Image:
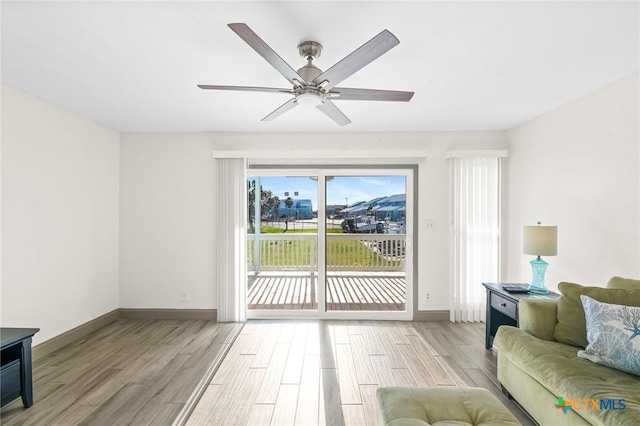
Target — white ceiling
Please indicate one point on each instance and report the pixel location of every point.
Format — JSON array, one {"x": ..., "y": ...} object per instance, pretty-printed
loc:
[{"x": 134, "y": 66}]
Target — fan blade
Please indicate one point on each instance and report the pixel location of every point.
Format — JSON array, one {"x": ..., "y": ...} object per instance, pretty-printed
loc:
[
  {"x": 246, "y": 88},
  {"x": 281, "y": 109},
  {"x": 267, "y": 53},
  {"x": 346, "y": 94},
  {"x": 356, "y": 60},
  {"x": 334, "y": 113}
]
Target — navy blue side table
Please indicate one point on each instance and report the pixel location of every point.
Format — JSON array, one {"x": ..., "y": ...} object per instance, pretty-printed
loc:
[
  {"x": 503, "y": 308},
  {"x": 15, "y": 365}
]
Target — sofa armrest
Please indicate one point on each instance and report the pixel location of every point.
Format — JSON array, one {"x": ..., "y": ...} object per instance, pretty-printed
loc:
[{"x": 538, "y": 317}]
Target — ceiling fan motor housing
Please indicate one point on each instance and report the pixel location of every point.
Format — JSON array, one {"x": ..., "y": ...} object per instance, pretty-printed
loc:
[
  {"x": 309, "y": 72},
  {"x": 309, "y": 50}
]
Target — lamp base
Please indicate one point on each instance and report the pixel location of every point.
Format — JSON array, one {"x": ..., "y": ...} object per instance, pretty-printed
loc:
[{"x": 539, "y": 267}]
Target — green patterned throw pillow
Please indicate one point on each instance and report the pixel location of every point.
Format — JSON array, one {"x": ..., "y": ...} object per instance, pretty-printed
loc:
[{"x": 613, "y": 332}]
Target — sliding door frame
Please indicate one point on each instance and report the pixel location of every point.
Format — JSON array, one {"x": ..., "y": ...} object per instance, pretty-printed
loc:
[
  {"x": 376, "y": 170},
  {"x": 321, "y": 172},
  {"x": 282, "y": 171}
]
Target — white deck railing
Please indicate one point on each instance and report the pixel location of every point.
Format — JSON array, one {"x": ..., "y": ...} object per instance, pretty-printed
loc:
[{"x": 345, "y": 252}]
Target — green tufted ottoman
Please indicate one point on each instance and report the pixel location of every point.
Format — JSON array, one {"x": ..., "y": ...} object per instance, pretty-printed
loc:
[{"x": 442, "y": 406}]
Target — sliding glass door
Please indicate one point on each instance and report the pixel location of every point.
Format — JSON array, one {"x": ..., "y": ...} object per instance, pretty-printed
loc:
[
  {"x": 282, "y": 244},
  {"x": 366, "y": 243},
  {"x": 331, "y": 243}
]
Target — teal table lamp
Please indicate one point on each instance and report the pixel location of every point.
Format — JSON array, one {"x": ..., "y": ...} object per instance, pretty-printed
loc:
[{"x": 540, "y": 241}]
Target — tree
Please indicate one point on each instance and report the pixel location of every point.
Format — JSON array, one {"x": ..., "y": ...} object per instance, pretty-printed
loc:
[
  {"x": 266, "y": 198},
  {"x": 267, "y": 206},
  {"x": 251, "y": 204},
  {"x": 289, "y": 203},
  {"x": 276, "y": 206}
]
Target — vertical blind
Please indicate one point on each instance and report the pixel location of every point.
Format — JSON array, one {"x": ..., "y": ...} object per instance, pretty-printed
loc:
[
  {"x": 475, "y": 220},
  {"x": 231, "y": 222}
]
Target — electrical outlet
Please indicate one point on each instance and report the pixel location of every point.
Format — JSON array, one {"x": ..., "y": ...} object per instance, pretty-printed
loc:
[
  {"x": 429, "y": 225},
  {"x": 185, "y": 296},
  {"x": 427, "y": 296}
]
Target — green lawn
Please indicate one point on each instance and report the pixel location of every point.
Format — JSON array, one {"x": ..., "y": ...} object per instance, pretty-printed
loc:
[{"x": 296, "y": 253}]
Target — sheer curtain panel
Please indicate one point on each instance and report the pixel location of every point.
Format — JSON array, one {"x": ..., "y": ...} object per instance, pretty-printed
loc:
[
  {"x": 231, "y": 221},
  {"x": 475, "y": 220}
]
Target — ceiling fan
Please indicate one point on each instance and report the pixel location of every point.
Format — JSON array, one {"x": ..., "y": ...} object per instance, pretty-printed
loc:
[{"x": 311, "y": 85}]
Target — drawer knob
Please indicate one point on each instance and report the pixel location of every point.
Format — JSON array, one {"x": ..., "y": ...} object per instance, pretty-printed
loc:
[{"x": 504, "y": 305}]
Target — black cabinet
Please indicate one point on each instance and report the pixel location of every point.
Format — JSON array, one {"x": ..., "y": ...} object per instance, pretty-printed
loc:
[
  {"x": 15, "y": 365},
  {"x": 502, "y": 308}
]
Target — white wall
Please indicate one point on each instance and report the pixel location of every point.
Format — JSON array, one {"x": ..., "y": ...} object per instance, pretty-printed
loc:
[
  {"x": 578, "y": 167},
  {"x": 167, "y": 207},
  {"x": 59, "y": 217},
  {"x": 93, "y": 220},
  {"x": 167, "y": 218}
]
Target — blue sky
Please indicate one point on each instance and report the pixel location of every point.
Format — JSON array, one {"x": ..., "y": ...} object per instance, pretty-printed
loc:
[{"x": 355, "y": 188}]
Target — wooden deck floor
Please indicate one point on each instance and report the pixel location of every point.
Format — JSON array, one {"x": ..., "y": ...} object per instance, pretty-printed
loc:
[{"x": 354, "y": 291}]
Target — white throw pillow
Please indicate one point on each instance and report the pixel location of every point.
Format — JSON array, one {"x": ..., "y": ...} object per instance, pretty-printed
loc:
[{"x": 613, "y": 332}]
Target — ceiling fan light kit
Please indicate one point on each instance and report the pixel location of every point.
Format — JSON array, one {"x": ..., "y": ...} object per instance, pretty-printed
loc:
[
  {"x": 312, "y": 86},
  {"x": 309, "y": 97}
]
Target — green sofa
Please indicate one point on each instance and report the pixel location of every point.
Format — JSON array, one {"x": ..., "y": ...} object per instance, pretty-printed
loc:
[{"x": 537, "y": 367}]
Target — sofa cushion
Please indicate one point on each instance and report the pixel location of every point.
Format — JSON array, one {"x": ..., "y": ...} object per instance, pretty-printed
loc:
[
  {"x": 557, "y": 367},
  {"x": 613, "y": 332},
  {"x": 626, "y": 283},
  {"x": 571, "y": 327},
  {"x": 538, "y": 317},
  {"x": 403, "y": 406}
]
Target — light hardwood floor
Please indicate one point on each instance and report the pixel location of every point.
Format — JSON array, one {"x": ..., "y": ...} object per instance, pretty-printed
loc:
[
  {"x": 143, "y": 372},
  {"x": 129, "y": 372},
  {"x": 327, "y": 372}
]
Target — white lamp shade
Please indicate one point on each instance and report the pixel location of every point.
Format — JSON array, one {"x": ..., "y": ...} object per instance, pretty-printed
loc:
[{"x": 540, "y": 240}]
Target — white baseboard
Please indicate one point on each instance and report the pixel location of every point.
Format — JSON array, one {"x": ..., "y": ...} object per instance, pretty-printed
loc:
[
  {"x": 431, "y": 316},
  {"x": 169, "y": 314}
]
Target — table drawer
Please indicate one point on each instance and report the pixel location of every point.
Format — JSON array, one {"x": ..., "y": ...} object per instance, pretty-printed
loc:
[
  {"x": 504, "y": 305},
  {"x": 10, "y": 382}
]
